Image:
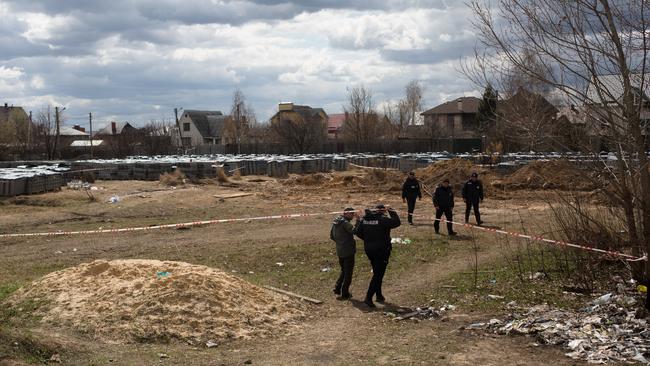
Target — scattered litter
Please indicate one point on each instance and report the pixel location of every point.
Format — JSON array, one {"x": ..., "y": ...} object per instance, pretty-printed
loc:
[
  {"x": 537, "y": 276},
  {"x": 326, "y": 269},
  {"x": 421, "y": 313},
  {"x": 495, "y": 297},
  {"x": 78, "y": 185},
  {"x": 609, "y": 330},
  {"x": 58, "y": 252},
  {"x": 642, "y": 288},
  {"x": 55, "y": 358},
  {"x": 163, "y": 274},
  {"x": 401, "y": 241},
  {"x": 114, "y": 199},
  {"x": 163, "y": 355},
  {"x": 211, "y": 344},
  {"x": 279, "y": 264}
]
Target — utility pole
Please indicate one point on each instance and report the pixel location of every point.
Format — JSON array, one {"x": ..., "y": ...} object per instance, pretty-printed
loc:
[
  {"x": 90, "y": 120},
  {"x": 29, "y": 130},
  {"x": 238, "y": 130},
  {"x": 58, "y": 130},
  {"x": 180, "y": 130}
]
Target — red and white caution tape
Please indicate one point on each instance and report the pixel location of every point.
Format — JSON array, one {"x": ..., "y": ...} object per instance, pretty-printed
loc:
[
  {"x": 167, "y": 226},
  {"x": 626, "y": 257}
]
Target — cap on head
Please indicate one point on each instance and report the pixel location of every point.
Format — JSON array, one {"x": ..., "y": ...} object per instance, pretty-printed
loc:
[
  {"x": 348, "y": 210},
  {"x": 412, "y": 174},
  {"x": 380, "y": 207},
  {"x": 445, "y": 181}
]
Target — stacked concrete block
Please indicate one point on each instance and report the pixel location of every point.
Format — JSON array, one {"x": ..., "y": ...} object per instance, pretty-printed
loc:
[{"x": 277, "y": 169}]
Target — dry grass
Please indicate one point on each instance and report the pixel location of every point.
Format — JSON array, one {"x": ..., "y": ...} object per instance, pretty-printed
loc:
[{"x": 173, "y": 179}]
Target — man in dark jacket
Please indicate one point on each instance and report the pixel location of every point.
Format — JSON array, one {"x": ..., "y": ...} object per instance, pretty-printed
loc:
[
  {"x": 410, "y": 192},
  {"x": 443, "y": 201},
  {"x": 374, "y": 229},
  {"x": 342, "y": 233},
  {"x": 472, "y": 195}
]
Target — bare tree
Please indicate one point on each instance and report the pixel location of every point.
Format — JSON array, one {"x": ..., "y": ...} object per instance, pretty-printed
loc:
[
  {"x": 398, "y": 116},
  {"x": 157, "y": 137},
  {"x": 243, "y": 117},
  {"x": 413, "y": 103},
  {"x": 593, "y": 53},
  {"x": 45, "y": 132},
  {"x": 299, "y": 133},
  {"x": 362, "y": 125}
]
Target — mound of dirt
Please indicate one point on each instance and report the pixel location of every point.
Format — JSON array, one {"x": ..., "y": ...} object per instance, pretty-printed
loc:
[
  {"x": 149, "y": 301},
  {"x": 456, "y": 170},
  {"x": 553, "y": 174}
]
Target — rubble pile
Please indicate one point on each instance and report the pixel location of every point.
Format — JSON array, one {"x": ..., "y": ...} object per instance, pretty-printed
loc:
[{"x": 611, "y": 329}]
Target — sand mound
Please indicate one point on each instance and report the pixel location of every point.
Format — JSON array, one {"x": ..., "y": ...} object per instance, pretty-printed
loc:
[
  {"x": 456, "y": 170},
  {"x": 366, "y": 180},
  {"x": 553, "y": 174},
  {"x": 149, "y": 300}
]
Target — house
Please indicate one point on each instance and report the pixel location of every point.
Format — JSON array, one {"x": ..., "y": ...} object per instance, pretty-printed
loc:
[
  {"x": 335, "y": 124},
  {"x": 14, "y": 119},
  {"x": 8, "y": 113},
  {"x": 70, "y": 134},
  {"x": 606, "y": 92},
  {"x": 203, "y": 128},
  {"x": 454, "y": 119},
  {"x": 296, "y": 113},
  {"x": 116, "y": 129}
]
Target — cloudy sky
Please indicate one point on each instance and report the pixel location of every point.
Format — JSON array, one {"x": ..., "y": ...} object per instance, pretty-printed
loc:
[{"x": 136, "y": 60}]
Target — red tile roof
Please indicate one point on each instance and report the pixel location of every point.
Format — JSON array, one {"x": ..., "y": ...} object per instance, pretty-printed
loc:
[{"x": 335, "y": 122}]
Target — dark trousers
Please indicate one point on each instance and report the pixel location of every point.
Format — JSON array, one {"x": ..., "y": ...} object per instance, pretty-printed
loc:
[
  {"x": 468, "y": 208},
  {"x": 410, "y": 201},
  {"x": 448, "y": 215},
  {"x": 345, "y": 278},
  {"x": 379, "y": 262}
]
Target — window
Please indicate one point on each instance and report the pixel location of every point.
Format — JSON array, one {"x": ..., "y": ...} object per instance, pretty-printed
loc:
[
  {"x": 186, "y": 126},
  {"x": 450, "y": 119},
  {"x": 469, "y": 123}
]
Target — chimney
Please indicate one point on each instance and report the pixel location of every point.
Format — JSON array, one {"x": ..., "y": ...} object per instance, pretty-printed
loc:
[
  {"x": 285, "y": 106},
  {"x": 113, "y": 128},
  {"x": 460, "y": 105},
  {"x": 79, "y": 128}
]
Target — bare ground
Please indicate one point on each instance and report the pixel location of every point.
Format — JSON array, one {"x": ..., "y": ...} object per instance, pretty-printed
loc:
[{"x": 336, "y": 333}]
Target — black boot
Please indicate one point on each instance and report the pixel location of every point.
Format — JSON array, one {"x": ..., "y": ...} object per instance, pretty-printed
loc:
[{"x": 369, "y": 302}]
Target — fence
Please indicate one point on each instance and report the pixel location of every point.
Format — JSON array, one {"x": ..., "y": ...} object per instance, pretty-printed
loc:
[{"x": 340, "y": 147}]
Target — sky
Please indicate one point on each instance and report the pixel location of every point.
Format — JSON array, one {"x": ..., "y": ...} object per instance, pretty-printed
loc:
[{"x": 137, "y": 60}]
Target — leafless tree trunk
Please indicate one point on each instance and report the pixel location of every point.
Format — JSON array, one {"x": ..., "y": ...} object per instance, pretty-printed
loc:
[
  {"x": 414, "y": 100},
  {"x": 362, "y": 127}
]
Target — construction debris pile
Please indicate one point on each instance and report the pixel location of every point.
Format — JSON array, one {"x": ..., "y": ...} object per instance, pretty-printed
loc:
[
  {"x": 157, "y": 301},
  {"x": 611, "y": 329}
]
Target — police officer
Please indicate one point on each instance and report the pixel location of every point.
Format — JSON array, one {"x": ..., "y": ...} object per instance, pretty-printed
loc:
[
  {"x": 374, "y": 229},
  {"x": 410, "y": 192},
  {"x": 472, "y": 195},
  {"x": 346, "y": 247},
  {"x": 443, "y": 201}
]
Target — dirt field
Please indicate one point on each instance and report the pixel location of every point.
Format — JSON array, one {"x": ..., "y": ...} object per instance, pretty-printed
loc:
[{"x": 334, "y": 333}]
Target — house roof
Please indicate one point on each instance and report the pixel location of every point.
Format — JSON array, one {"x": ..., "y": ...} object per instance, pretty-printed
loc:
[
  {"x": 119, "y": 127},
  {"x": 70, "y": 131},
  {"x": 86, "y": 143},
  {"x": 335, "y": 122},
  {"x": 305, "y": 111},
  {"x": 469, "y": 105},
  {"x": 209, "y": 123},
  {"x": 612, "y": 87}
]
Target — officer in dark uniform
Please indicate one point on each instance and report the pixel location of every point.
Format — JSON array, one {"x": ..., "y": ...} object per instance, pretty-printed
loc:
[
  {"x": 443, "y": 201},
  {"x": 472, "y": 195},
  {"x": 374, "y": 230},
  {"x": 410, "y": 192}
]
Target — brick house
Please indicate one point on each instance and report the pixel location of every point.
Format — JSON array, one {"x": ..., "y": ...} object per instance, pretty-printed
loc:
[{"x": 454, "y": 119}]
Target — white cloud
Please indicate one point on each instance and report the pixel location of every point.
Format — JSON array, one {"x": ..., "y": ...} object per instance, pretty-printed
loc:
[{"x": 123, "y": 62}]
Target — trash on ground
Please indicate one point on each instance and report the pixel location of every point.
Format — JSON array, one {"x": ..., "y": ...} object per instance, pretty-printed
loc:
[
  {"x": 611, "y": 329},
  {"x": 421, "y": 313},
  {"x": 401, "y": 241},
  {"x": 114, "y": 199}
]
